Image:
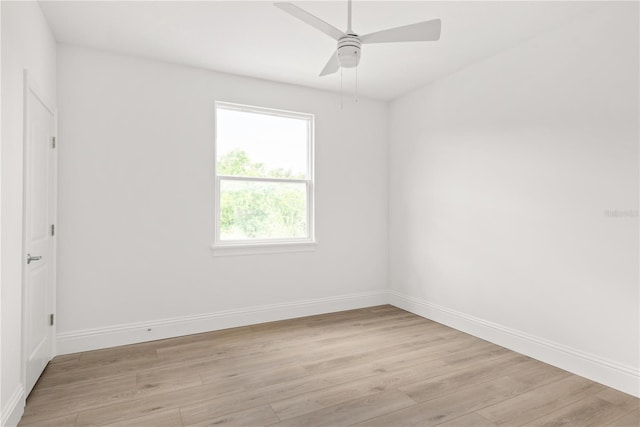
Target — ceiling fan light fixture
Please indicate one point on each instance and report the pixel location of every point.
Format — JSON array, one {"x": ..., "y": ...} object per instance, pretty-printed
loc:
[{"x": 349, "y": 51}]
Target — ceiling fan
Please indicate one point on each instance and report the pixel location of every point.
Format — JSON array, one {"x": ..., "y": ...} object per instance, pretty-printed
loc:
[{"x": 347, "y": 54}]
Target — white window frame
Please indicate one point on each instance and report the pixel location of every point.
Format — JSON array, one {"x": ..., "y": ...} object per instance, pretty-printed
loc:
[{"x": 275, "y": 245}]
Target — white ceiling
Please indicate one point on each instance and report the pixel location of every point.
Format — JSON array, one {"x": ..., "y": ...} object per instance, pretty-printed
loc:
[{"x": 257, "y": 39}]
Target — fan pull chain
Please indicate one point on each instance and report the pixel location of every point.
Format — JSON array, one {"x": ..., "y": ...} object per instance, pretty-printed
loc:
[
  {"x": 341, "y": 103},
  {"x": 356, "y": 83}
]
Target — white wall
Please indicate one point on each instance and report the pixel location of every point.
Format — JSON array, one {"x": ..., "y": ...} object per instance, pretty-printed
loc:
[
  {"x": 26, "y": 43},
  {"x": 136, "y": 204},
  {"x": 1, "y": 401},
  {"x": 501, "y": 176}
]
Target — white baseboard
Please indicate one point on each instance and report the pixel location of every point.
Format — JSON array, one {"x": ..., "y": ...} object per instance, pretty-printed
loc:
[
  {"x": 607, "y": 372},
  {"x": 13, "y": 410},
  {"x": 93, "y": 339}
]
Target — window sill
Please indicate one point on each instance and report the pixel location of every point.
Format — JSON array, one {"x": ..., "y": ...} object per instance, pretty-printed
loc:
[{"x": 262, "y": 248}]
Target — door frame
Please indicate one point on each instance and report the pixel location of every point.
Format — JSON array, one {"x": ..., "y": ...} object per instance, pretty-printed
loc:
[{"x": 30, "y": 86}]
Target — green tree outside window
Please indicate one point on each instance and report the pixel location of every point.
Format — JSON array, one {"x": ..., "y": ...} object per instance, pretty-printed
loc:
[{"x": 254, "y": 210}]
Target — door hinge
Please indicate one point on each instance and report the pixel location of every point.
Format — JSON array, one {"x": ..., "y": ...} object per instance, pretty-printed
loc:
[
  {"x": 53, "y": 142},
  {"x": 53, "y": 229},
  {"x": 51, "y": 319}
]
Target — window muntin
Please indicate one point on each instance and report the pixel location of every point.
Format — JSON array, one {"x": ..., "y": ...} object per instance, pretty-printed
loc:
[{"x": 264, "y": 176}]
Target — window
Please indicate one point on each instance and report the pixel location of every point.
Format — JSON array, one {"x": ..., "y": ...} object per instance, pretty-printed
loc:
[{"x": 263, "y": 177}]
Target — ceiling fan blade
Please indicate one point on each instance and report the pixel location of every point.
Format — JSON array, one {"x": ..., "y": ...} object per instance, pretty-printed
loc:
[
  {"x": 332, "y": 65},
  {"x": 420, "y": 32},
  {"x": 310, "y": 19}
]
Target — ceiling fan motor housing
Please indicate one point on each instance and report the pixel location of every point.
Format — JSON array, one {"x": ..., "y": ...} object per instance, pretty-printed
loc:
[{"x": 349, "y": 51}]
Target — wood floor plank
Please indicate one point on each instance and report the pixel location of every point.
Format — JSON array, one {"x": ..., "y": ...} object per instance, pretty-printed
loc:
[
  {"x": 538, "y": 374},
  {"x": 239, "y": 380},
  {"x": 254, "y": 417},
  {"x": 95, "y": 369},
  {"x": 362, "y": 353},
  {"x": 453, "y": 405},
  {"x": 632, "y": 419},
  {"x": 620, "y": 399},
  {"x": 113, "y": 391},
  {"x": 58, "y": 401},
  {"x": 220, "y": 405},
  {"x": 63, "y": 421},
  {"x": 161, "y": 419},
  {"x": 484, "y": 351},
  {"x": 437, "y": 349},
  {"x": 352, "y": 411},
  {"x": 326, "y": 397},
  {"x": 449, "y": 382},
  {"x": 589, "y": 412},
  {"x": 201, "y": 402},
  {"x": 375, "y": 366},
  {"x": 470, "y": 420},
  {"x": 230, "y": 403},
  {"x": 542, "y": 400}
]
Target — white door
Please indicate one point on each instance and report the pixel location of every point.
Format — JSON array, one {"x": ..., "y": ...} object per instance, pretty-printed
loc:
[{"x": 39, "y": 214}]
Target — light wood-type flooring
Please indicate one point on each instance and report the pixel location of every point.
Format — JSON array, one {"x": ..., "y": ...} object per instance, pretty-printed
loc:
[{"x": 378, "y": 366}]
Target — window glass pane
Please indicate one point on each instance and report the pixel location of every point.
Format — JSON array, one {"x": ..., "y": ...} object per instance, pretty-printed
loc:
[
  {"x": 261, "y": 145},
  {"x": 262, "y": 210}
]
